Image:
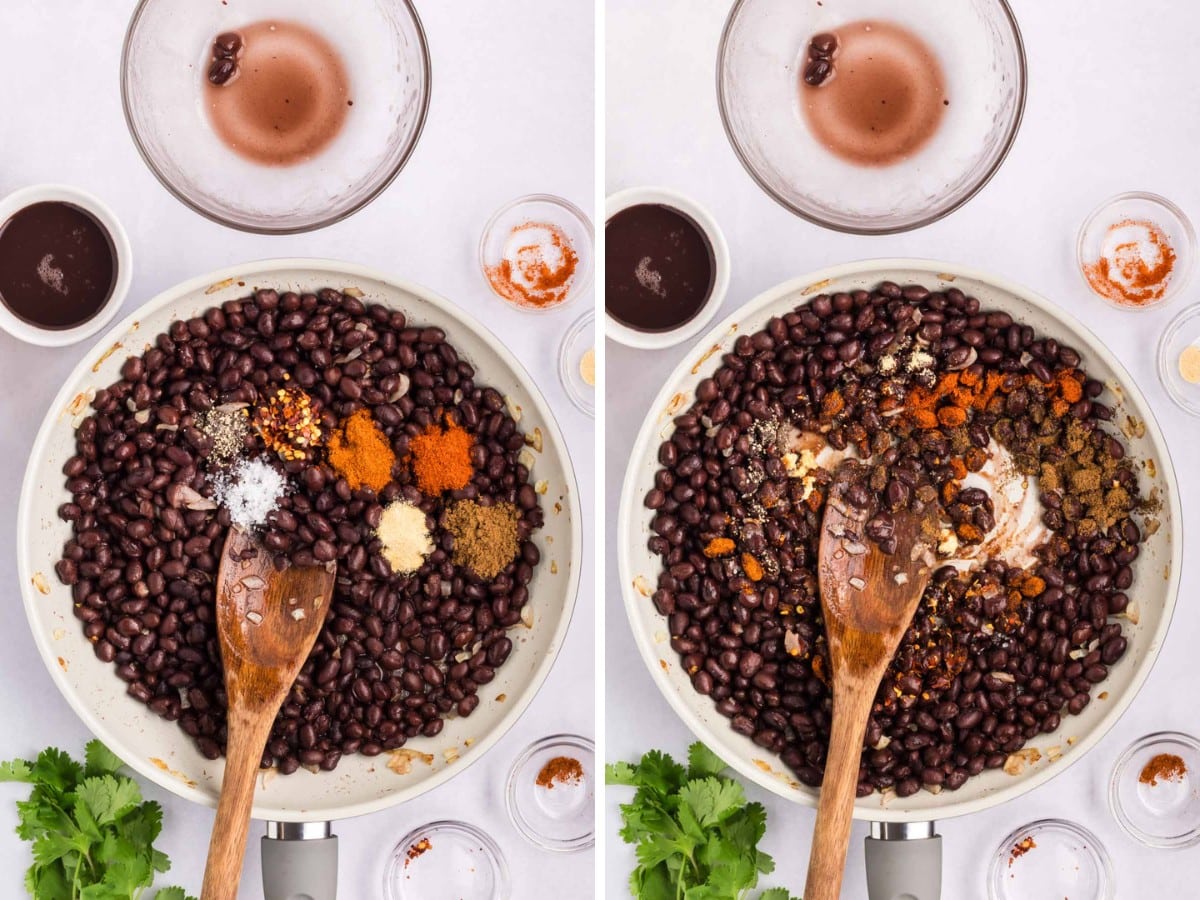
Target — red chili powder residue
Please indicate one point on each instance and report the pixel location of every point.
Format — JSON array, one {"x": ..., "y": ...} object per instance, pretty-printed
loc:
[
  {"x": 560, "y": 770},
  {"x": 1135, "y": 265},
  {"x": 418, "y": 849},
  {"x": 538, "y": 266},
  {"x": 1164, "y": 767},
  {"x": 1019, "y": 849}
]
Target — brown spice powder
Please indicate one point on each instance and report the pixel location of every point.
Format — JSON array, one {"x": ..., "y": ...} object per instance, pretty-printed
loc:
[
  {"x": 560, "y": 770},
  {"x": 485, "y": 537},
  {"x": 1163, "y": 767}
]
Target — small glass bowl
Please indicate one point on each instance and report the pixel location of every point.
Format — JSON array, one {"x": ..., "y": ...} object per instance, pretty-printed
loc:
[
  {"x": 560, "y": 817},
  {"x": 1165, "y": 814},
  {"x": 1150, "y": 207},
  {"x": 1183, "y": 332},
  {"x": 163, "y": 64},
  {"x": 579, "y": 340},
  {"x": 461, "y": 863},
  {"x": 540, "y": 208},
  {"x": 1065, "y": 860}
]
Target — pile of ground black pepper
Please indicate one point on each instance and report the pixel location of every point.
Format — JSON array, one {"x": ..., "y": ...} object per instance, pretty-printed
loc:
[{"x": 923, "y": 387}]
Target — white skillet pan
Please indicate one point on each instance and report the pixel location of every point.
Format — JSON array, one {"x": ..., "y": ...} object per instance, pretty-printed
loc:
[
  {"x": 159, "y": 750},
  {"x": 904, "y": 855}
]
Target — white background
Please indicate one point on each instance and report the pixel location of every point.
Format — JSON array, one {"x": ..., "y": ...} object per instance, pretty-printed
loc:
[
  {"x": 1113, "y": 94},
  {"x": 511, "y": 114}
]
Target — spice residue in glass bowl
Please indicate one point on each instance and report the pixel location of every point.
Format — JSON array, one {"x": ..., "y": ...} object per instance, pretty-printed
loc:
[
  {"x": 1163, "y": 767},
  {"x": 1135, "y": 264},
  {"x": 1189, "y": 364},
  {"x": 587, "y": 367},
  {"x": 416, "y": 850},
  {"x": 873, "y": 93},
  {"x": 560, "y": 770},
  {"x": 1020, "y": 848},
  {"x": 277, "y": 92},
  {"x": 537, "y": 266}
]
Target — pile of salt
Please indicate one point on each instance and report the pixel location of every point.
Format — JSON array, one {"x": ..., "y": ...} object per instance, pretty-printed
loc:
[{"x": 251, "y": 491}]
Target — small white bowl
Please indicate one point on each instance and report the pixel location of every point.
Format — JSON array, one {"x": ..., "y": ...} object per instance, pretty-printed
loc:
[
  {"x": 657, "y": 340},
  {"x": 61, "y": 193}
]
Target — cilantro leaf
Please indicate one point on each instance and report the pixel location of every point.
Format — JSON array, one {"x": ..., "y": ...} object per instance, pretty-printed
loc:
[
  {"x": 56, "y": 770},
  {"x": 99, "y": 760},
  {"x": 702, "y": 761},
  {"x": 16, "y": 770},
  {"x": 108, "y": 798},
  {"x": 713, "y": 799},
  {"x": 91, "y": 832},
  {"x": 696, "y": 835}
]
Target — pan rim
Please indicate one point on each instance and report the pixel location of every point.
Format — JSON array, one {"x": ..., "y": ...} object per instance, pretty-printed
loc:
[
  {"x": 800, "y": 288},
  {"x": 279, "y": 267}
]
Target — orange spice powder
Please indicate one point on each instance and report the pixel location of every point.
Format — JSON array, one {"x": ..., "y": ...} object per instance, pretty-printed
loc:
[
  {"x": 539, "y": 271},
  {"x": 441, "y": 458},
  {"x": 1136, "y": 270},
  {"x": 361, "y": 453},
  {"x": 718, "y": 546}
]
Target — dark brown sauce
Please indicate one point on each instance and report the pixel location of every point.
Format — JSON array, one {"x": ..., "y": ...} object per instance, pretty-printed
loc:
[
  {"x": 884, "y": 98},
  {"x": 287, "y": 99},
  {"x": 57, "y": 265},
  {"x": 659, "y": 268}
]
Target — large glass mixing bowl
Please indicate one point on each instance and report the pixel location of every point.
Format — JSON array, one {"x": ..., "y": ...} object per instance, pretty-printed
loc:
[
  {"x": 167, "y": 49},
  {"x": 762, "y": 53}
]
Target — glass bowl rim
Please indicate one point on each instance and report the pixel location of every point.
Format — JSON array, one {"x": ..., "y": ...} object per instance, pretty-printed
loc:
[
  {"x": 397, "y": 853},
  {"x": 576, "y": 329},
  {"x": 426, "y": 82},
  {"x": 1095, "y": 848},
  {"x": 938, "y": 214},
  {"x": 1176, "y": 286},
  {"x": 570, "y": 845},
  {"x": 1169, "y": 333},
  {"x": 577, "y": 290},
  {"x": 1178, "y": 842}
]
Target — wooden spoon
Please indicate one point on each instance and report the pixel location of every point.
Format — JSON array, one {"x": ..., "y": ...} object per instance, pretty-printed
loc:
[
  {"x": 267, "y": 623},
  {"x": 868, "y": 599}
]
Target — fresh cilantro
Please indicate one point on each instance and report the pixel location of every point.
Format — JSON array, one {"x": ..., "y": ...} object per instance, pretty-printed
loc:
[
  {"x": 696, "y": 835},
  {"x": 91, "y": 831}
]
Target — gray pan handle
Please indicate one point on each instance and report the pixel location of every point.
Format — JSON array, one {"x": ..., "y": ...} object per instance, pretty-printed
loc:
[
  {"x": 904, "y": 861},
  {"x": 299, "y": 861}
]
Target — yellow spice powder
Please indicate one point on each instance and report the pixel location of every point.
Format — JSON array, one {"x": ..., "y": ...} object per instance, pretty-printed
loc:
[
  {"x": 587, "y": 367},
  {"x": 406, "y": 540}
]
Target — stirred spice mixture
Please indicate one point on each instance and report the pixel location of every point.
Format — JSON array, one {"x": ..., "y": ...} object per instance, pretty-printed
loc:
[{"x": 943, "y": 403}]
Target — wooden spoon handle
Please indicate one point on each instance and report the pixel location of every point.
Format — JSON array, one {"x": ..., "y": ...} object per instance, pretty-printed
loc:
[
  {"x": 227, "y": 847},
  {"x": 831, "y": 836}
]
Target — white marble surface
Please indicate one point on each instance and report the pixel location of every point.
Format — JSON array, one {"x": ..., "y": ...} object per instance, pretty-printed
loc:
[
  {"x": 1112, "y": 89},
  {"x": 511, "y": 114}
]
